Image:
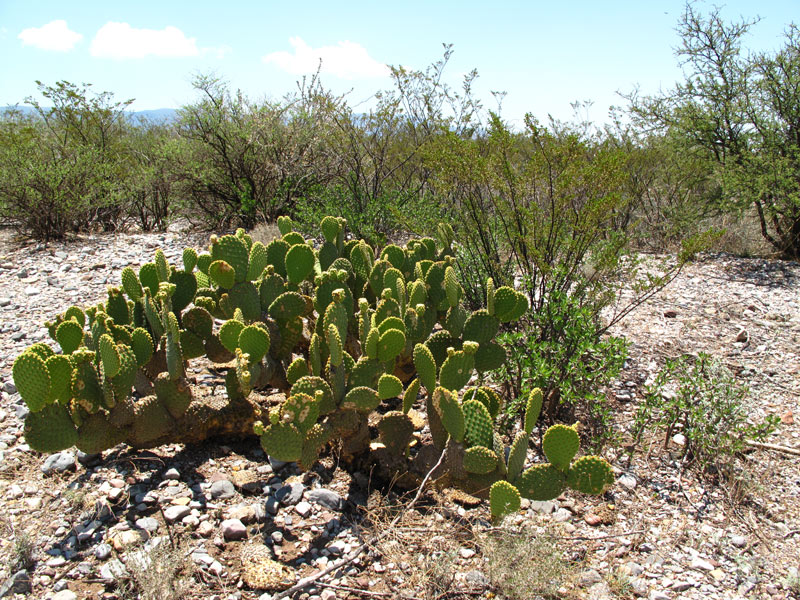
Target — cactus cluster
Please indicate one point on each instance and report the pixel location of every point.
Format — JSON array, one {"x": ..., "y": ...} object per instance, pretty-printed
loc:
[{"x": 351, "y": 337}]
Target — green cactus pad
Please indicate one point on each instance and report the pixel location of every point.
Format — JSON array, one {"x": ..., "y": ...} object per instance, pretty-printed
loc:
[
  {"x": 452, "y": 287},
  {"x": 290, "y": 332},
  {"x": 96, "y": 434},
  {"x": 505, "y": 301},
  {"x": 310, "y": 385},
  {"x": 438, "y": 344},
  {"x": 395, "y": 429},
  {"x": 361, "y": 257},
  {"x": 270, "y": 288},
  {"x": 204, "y": 260},
  {"x": 222, "y": 274},
  {"x": 363, "y": 399},
  {"x": 324, "y": 295},
  {"x": 69, "y": 336},
  {"x": 490, "y": 296},
  {"x": 541, "y": 482},
  {"x": 517, "y": 456},
  {"x": 148, "y": 276},
  {"x": 560, "y": 444},
  {"x": 330, "y": 227},
  {"x": 51, "y": 429},
  {"x": 480, "y": 460},
  {"x": 335, "y": 348},
  {"x": 151, "y": 421},
  {"x": 490, "y": 356},
  {"x": 590, "y": 475},
  {"x": 254, "y": 340},
  {"x": 117, "y": 306},
  {"x": 299, "y": 263},
  {"x": 229, "y": 334},
  {"x": 257, "y": 262},
  {"x": 457, "y": 370},
  {"x": 455, "y": 319},
  {"x": 73, "y": 312},
  {"x": 366, "y": 373},
  {"x": 446, "y": 404},
  {"x": 410, "y": 395},
  {"x": 297, "y": 369},
  {"x": 371, "y": 347},
  {"x": 485, "y": 396},
  {"x": 391, "y": 323},
  {"x": 232, "y": 251},
  {"x": 301, "y": 410},
  {"x": 533, "y": 408},
  {"x": 315, "y": 439},
  {"x": 276, "y": 255},
  {"x": 131, "y": 285},
  {"x": 126, "y": 376},
  {"x": 59, "y": 368},
  {"x": 185, "y": 289},
  {"x": 109, "y": 357},
  {"x": 283, "y": 441},
  {"x": 417, "y": 294},
  {"x": 285, "y": 224},
  {"x": 287, "y": 306},
  {"x": 426, "y": 367},
  {"x": 174, "y": 394},
  {"x": 336, "y": 314},
  {"x": 32, "y": 379},
  {"x": 478, "y": 424},
  {"x": 481, "y": 327},
  {"x": 520, "y": 308},
  {"x": 41, "y": 350},
  {"x": 504, "y": 500},
  {"x": 391, "y": 344},
  {"x": 199, "y": 321},
  {"x": 293, "y": 238},
  {"x": 394, "y": 255},
  {"x": 189, "y": 257},
  {"x": 142, "y": 345},
  {"x": 389, "y": 386},
  {"x": 162, "y": 266},
  {"x": 387, "y": 307}
]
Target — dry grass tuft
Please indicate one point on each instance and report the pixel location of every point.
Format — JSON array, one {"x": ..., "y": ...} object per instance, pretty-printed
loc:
[
  {"x": 160, "y": 572},
  {"x": 265, "y": 233}
]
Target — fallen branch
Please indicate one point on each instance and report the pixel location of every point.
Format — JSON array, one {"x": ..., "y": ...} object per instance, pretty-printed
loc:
[
  {"x": 306, "y": 581},
  {"x": 775, "y": 447}
]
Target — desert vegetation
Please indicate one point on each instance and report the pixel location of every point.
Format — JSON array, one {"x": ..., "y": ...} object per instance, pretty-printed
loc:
[{"x": 419, "y": 292}]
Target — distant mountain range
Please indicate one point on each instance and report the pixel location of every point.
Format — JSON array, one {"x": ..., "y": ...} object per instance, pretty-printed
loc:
[{"x": 158, "y": 115}]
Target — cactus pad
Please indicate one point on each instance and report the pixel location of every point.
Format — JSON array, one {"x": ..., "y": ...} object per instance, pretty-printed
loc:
[
  {"x": 32, "y": 379},
  {"x": 560, "y": 444},
  {"x": 541, "y": 482},
  {"x": 222, "y": 274},
  {"x": 395, "y": 430},
  {"x": 299, "y": 262},
  {"x": 390, "y": 344},
  {"x": 69, "y": 336},
  {"x": 410, "y": 395},
  {"x": 457, "y": 370},
  {"x": 532, "y": 409},
  {"x": 363, "y": 399},
  {"x": 446, "y": 404},
  {"x": 283, "y": 441},
  {"x": 590, "y": 475},
  {"x": 480, "y": 460},
  {"x": 426, "y": 367},
  {"x": 51, "y": 429},
  {"x": 478, "y": 424},
  {"x": 389, "y": 386},
  {"x": 504, "y": 500},
  {"x": 254, "y": 340},
  {"x": 517, "y": 456}
]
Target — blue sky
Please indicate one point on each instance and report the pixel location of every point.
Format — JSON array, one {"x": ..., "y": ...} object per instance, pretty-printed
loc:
[{"x": 543, "y": 54}]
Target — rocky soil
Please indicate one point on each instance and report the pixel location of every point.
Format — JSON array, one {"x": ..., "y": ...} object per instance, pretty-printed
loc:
[{"x": 222, "y": 521}]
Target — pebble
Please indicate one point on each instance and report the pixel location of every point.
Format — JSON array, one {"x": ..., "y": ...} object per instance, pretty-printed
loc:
[
  {"x": 59, "y": 462},
  {"x": 65, "y": 595},
  {"x": 326, "y": 498},
  {"x": 149, "y": 524},
  {"x": 222, "y": 489},
  {"x": 176, "y": 513},
  {"x": 102, "y": 551},
  {"x": 172, "y": 474},
  {"x": 303, "y": 509},
  {"x": 233, "y": 529},
  {"x": 290, "y": 494}
]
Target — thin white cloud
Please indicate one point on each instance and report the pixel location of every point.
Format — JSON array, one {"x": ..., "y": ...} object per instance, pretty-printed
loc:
[
  {"x": 347, "y": 60},
  {"x": 120, "y": 40},
  {"x": 55, "y": 35}
]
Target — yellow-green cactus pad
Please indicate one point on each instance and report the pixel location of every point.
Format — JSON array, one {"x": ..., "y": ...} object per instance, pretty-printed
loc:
[
  {"x": 560, "y": 444},
  {"x": 478, "y": 424},
  {"x": 504, "y": 500},
  {"x": 533, "y": 408},
  {"x": 51, "y": 429},
  {"x": 446, "y": 404},
  {"x": 480, "y": 460},
  {"x": 590, "y": 475},
  {"x": 222, "y": 274},
  {"x": 32, "y": 379},
  {"x": 283, "y": 441},
  {"x": 389, "y": 386},
  {"x": 541, "y": 482},
  {"x": 363, "y": 399}
]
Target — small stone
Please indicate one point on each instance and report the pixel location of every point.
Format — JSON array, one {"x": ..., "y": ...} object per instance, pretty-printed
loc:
[
  {"x": 303, "y": 509},
  {"x": 176, "y": 513},
  {"x": 233, "y": 529},
  {"x": 205, "y": 529},
  {"x": 290, "y": 494},
  {"x": 243, "y": 512},
  {"x": 593, "y": 519},
  {"x": 590, "y": 577},
  {"x": 18, "y": 583},
  {"x": 670, "y": 314},
  {"x": 222, "y": 489},
  {"x": 113, "y": 570},
  {"x": 172, "y": 474},
  {"x": 681, "y": 586},
  {"x": 272, "y": 505},
  {"x": 701, "y": 564},
  {"x": 742, "y": 336},
  {"x": 476, "y": 578},
  {"x": 216, "y": 568},
  {"x": 31, "y": 290},
  {"x": 466, "y": 552},
  {"x": 65, "y": 595},
  {"x": 679, "y": 439},
  {"x": 123, "y": 539},
  {"x": 149, "y": 524},
  {"x": 327, "y": 498},
  {"x": 628, "y": 481},
  {"x": 102, "y": 551},
  {"x": 717, "y": 574},
  {"x": 59, "y": 462},
  {"x": 327, "y": 595},
  {"x": 739, "y": 541},
  {"x": 277, "y": 537}
]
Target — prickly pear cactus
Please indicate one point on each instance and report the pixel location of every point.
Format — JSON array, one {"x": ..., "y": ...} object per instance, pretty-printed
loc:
[{"x": 359, "y": 342}]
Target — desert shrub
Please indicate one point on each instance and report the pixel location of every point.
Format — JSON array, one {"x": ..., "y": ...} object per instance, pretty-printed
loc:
[
  {"x": 701, "y": 399},
  {"x": 558, "y": 349}
]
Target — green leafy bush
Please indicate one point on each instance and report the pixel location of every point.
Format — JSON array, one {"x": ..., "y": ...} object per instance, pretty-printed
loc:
[
  {"x": 700, "y": 398},
  {"x": 559, "y": 351}
]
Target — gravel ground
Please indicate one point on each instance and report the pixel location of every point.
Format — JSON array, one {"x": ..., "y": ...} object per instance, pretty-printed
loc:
[{"x": 218, "y": 515}]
